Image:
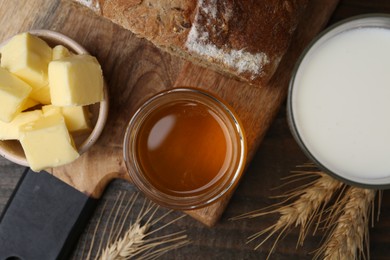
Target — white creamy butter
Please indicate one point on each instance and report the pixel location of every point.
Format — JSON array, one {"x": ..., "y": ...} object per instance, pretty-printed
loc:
[
  {"x": 49, "y": 110},
  {"x": 28, "y": 56},
  {"x": 76, "y": 117},
  {"x": 341, "y": 103},
  {"x": 29, "y": 103},
  {"x": 75, "y": 81},
  {"x": 10, "y": 131},
  {"x": 47, "y": 142},
  {"x": 60, "y": 52},
  {"x": 13, "y": 94}
]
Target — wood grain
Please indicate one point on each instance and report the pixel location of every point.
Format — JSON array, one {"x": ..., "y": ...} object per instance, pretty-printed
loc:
[
  {"x": 135, "y": 70},
  {"x": 256, "y": 106},
  {"x": 276, "y": 156}
]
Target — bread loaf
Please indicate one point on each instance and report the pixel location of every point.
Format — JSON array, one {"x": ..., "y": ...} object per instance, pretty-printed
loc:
[{"x": 243, "y": 38}]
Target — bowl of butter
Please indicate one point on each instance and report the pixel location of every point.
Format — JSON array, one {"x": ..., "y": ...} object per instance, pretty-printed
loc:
[{"x": 53, "y": 99}]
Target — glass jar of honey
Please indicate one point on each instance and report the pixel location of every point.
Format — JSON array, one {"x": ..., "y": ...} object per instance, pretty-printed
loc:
[{"x": 184, "y": 148}]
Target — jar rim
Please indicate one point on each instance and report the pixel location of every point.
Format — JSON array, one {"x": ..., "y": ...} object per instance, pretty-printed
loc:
[{"x": 188, "y": 200}]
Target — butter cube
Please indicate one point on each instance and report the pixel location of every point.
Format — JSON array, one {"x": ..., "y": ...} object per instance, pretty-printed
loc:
[
  {"x": 60, "y": 52},
  {"x": 28, "y": 57},
  {"x": 29, "y": 103},
  {"x": 75, "y": 81},
  {"x": 49, "y": 110},
  {"x": 42, "y": 95},
  {"x": 10, "y": 131},
  {"x": 47, "y": 142},
  {"x": 13, "y": 94},
  {"x": 76, "y": 117}
]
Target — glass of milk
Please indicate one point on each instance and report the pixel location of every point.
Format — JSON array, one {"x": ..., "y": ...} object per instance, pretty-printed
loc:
[{"x": 339, "y": 101}]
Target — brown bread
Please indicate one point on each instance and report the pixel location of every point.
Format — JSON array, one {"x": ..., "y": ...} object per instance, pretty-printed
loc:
[{"x": 246, "y": 39}]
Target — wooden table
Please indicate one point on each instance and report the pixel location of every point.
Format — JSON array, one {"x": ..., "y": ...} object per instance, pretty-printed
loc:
[{"x": 277, "y": 155}]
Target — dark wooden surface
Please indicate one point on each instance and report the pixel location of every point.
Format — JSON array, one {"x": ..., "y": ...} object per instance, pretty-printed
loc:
[
  {"x": 255, "y": 106},
  {"x": 135, "y": 70},
  {"x": 277, "y": 155}
]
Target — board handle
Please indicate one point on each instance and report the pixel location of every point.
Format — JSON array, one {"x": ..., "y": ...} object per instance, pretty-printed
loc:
[{"x": 43, "y": 219}]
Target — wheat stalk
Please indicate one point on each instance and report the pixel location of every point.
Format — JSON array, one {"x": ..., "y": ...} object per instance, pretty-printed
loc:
[
  {"x": 348, "y": 238},
  {"x": 119, "y": 243},
  {"x": 347, "y": 210},
  {"x": 311, "y": 199}
]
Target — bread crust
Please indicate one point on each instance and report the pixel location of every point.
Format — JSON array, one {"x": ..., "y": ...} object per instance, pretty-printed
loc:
[{"x": 243, "y": 38}]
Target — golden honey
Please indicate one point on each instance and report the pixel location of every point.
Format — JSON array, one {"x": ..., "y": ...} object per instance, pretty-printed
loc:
[{"x": 184, "y": 148}]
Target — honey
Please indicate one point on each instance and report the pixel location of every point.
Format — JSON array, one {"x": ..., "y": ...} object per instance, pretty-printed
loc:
[{"x": 184, "y": 146}]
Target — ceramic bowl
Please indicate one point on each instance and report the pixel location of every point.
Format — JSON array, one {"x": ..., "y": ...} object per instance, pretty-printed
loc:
[{"x": 12, "y": 150}]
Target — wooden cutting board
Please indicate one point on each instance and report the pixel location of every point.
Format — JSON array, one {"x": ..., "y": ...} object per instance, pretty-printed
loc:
[{"x": 135, "y": 70}]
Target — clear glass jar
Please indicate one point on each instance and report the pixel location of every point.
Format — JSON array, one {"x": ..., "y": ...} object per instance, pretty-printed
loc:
[
  {"x": 340, "y": 142},
  {"x": 140, "y": 133}
]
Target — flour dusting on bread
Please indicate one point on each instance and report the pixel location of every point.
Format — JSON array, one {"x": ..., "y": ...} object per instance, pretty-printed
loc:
[
  {"x": 198, "y": 41},
  {"x": 91, "y": 4},
  {"x": 245, "y": 39}
]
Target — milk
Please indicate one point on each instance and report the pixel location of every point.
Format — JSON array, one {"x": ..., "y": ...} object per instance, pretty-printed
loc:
[{"x": 341, "y": 103}]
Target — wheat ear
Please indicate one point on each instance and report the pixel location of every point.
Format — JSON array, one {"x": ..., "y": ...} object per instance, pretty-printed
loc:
[
  {"x": 310, "y": 201},
  {"x": 349, "y": 236},
  {"x": 117, "y": 243}
]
